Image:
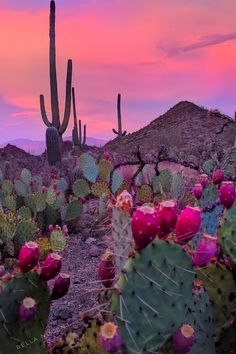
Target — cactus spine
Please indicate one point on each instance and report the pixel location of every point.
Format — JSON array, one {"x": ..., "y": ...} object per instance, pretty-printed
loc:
[
  {"x": 77, "y": 136},
  {"x": 119, "y": 132},
  {"x": 61, "y": 127},
  {"x": 53, "y": 144}
]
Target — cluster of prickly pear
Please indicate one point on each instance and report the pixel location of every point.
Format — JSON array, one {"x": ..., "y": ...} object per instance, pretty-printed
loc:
[
  {"x": 25, "y": 299},
  {"x": 155, "y": 303}
]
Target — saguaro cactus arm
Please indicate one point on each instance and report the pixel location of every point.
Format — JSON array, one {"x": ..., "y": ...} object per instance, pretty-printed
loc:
[
  {"x": 84, "y": 140},
  {"x": 66, "y": 118},
  {"x": 43, "y": 111}
]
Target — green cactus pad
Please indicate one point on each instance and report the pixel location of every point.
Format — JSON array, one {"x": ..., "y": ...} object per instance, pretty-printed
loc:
[
  {"x": 26, "y": 176},
  {"x": 100, "y": 188},
  {"x": 40, "y": 202},
  {"x": 10, "y": 202},
  {"x": 153, "y": 292},
  {"x": 10, "y": 248},
  {"x": 58, "y": 241},
  {"x": 51, "y": 196},
  {"x": 30, "y": 201},
  {"x": 230, "y": 214},
  {"x": 7, "y": 186},
  {"x": 8, "y": 224},
  {"x": 60, "y": 201},
  {"x": 80, "y": 188},
  {"x": 227, "y": 342},
  {"x": 227, "y": 234},
  {"x": 221, "y": 288},
  {"x": 162, "y": 182},
  {"x": 73, "y": 210},
  {"x": 105, "y": 168},
  {"x": 144, "y": 194},
  {"x": 89, "y": 167},
  {"x": 13, "y": 334},
  {"x": 44, "y": 246},
  {"x": 88, "y": 343},
  {"x": 209, "y": 195},
  {"x": 117, "y": 180},
  {"x": 24, "y": 212},
  {"x": 122, "y": 237},
  {"x": 51, "y": 216},
  {"x": 25, "y": 231},
  {"x": 208, "y": 167},
  {"x": 62, "y": 185},
  {"x": 21, "y": 188},
  {"x": 178, "y": 188}
]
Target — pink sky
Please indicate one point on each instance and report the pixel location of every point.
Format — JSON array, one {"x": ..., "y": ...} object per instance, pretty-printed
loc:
[{"x": 154, "y": 52}]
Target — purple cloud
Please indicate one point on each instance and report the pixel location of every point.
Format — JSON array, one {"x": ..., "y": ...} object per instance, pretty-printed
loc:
[{"x": 203, "y": 42}]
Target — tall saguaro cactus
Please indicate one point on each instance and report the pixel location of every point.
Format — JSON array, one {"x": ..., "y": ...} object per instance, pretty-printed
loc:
[
  {"x": 119, "y": 132},
  {"x": 77, "y": 136},
  {"x": 56, "y": 123}
]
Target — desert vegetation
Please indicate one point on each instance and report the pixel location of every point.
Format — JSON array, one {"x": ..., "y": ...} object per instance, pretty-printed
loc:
[{"x": 128, "y": 248}]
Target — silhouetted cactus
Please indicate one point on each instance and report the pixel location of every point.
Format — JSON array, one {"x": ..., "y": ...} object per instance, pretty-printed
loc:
[
  {"x": 61, "y": 127},
  {"x": 53, "y": 143},
  {"x": 119, "y": 132},
  {"x": 77, "y": 136}
]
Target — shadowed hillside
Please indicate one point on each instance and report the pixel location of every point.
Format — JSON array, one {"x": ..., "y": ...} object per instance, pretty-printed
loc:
[{"x": 185, "y": 128}]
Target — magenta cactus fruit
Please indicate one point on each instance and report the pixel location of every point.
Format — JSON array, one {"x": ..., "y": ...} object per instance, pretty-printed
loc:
[
  {"x": 227, "y": 194},
  {"x": 106, "y": 155},
  {"x": 206, "y": 249},
  {"x": 167, "y": 214},
  {"x": 145, "y": 225},
  {"x": 61, "y": 286},
  {"x": 218, "y": 176},
  {"x": 188, "y": 224},
  {"x": 51, "y": 228},
  {"x": 58, "y": 228},
  {"x": 203, "y": 180},
  {"x": 183, "y": 339},
  {"x": 197, "y": 190},
  {"x": 43, "y": 189},
  {"x": 27, "y": 309},
  {"x": 109, "y": 337},
  {"x": 65, "y": 230},
  {"x": 28, "y": 256},
  {"x": 50, "y": 267},
  {"x": 106, "y": 270}
]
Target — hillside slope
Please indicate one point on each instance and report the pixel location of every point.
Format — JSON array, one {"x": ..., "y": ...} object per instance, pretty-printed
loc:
[{"x": 185, "y": 127}]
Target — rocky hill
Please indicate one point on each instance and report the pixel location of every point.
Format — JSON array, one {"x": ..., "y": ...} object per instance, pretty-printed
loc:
[{"x": 185, "y": 128}]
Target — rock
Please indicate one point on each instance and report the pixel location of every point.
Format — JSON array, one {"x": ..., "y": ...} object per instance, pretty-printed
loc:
[
  {"x": 90, "y": 240},
  {"x": 94, "y": 251},
  {"x": 62, "y": 313}
]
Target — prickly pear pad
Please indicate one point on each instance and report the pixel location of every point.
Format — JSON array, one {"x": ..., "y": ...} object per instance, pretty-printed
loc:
[
  {"x": 12, "y": 332},
  {"x": 155, "y": 287}
]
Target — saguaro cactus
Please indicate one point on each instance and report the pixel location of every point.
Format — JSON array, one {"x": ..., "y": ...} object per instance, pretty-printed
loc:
[
  {"x": 77, "y": 136},
  {"x": 53, "y": 144},
  {"x": 119, "y": 132},
  {"x": 61, "y": 127}
]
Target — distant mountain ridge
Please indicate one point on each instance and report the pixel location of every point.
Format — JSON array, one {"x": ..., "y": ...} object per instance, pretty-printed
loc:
[{"x": 37, "y": 147}]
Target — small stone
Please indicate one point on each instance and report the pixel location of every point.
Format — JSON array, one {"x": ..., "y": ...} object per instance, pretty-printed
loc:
[
  {"x": 94, "y": 251},
  {"x": 90, "y": 240}
]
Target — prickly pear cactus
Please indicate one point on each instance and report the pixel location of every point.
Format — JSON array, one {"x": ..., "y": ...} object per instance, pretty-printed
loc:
[
  {"x": 105, "y": 168},
  {"x": 81, "y": 188},
  {"x": 152, "y": 298},
  {"x": 25, "y": 231},
  {"x": 199, "y": 316},
  {"x": 89, "y": 167},
  {"x": 26, "y": 176},
  {"x": 14, "y": 334},
  {"x": 58, "y": 241},
  {"x": 209, "y": 166},
  {"x": 122, "y": 237},
  {"x": 73, "y": 210},
  {"x": 221, "y": 288},
  {"x": 44, "y": 246},
  {"x": 144, "y": 194},
  {"x": 24, "y": 212},
  {"x": 227, "y": 236},
  {"x": 88, "y": 343},
  {"x": 100, "y": 188},
  {"x": 162, "y": 182},
  {"x": 117, "y": 180},
  {"x": 178, "y": 188}
]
